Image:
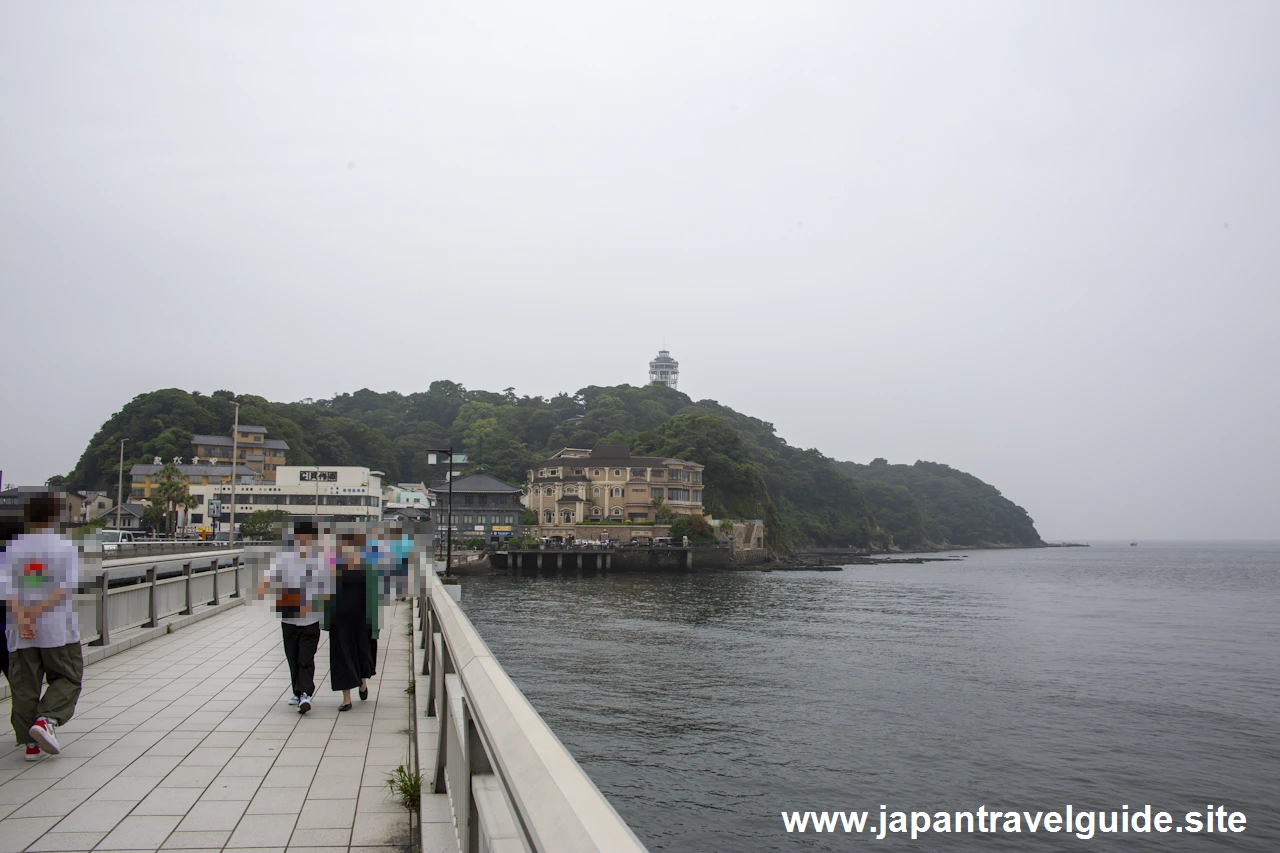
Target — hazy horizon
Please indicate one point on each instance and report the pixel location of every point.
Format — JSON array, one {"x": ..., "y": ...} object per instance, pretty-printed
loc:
[{"x": 1034, "y": 242}]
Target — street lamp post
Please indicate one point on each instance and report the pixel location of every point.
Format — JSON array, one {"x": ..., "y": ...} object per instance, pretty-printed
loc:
[
  {"x": 448, "y": 530},
  {"x": 120, "y": 484},
  {"x": 235, "y": 448}
]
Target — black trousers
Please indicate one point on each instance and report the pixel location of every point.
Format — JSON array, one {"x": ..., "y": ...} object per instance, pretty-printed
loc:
[
  {"x": 300, "y": 643},
  {"x": 352, "y": 654}
]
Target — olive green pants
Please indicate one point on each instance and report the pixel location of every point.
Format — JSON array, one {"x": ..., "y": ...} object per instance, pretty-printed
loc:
[{"x": 60, "y": 669}]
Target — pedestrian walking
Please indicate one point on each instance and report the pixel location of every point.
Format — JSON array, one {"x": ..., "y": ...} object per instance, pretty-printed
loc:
[
  {"x": 39, "y": 573},
  {"x": 351, "y": 618},
  {"x": 297, "y": 576}
]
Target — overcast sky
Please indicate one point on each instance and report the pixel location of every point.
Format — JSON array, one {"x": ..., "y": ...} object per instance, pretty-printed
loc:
[{"x": 1037, "y": 241}]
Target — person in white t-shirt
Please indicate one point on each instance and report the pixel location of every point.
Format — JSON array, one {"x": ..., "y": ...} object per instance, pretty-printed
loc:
[
  {"x": 298, "y": 577},
  {"x": 39, "y": 573}
]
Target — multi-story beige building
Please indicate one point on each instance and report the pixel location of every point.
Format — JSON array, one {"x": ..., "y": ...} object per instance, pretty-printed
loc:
[
  {"x": 608, "y": 484},
  {"x": 253, "y": 449},
  {"x": 144, "y": 478}
]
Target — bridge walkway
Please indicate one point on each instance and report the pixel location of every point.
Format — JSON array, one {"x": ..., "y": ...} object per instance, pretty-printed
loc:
[{"x": 186, "y": 742}]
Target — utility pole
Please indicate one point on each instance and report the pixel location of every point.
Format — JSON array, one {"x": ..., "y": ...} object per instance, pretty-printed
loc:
[
  {"x": 120, "y": 484},
  {"x": 235, "y": 448}
]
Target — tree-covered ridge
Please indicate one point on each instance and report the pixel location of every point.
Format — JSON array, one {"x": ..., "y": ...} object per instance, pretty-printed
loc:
[
  {"x": 805, "y": 497},
  {"x": 932, "y": 503}
]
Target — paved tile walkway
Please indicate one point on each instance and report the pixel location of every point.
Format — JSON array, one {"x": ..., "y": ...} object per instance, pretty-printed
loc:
[{"x": 187, "y": 743}]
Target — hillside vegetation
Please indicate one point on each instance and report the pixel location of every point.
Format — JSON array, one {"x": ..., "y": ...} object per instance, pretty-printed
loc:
[{"x": 805, "y": 497}]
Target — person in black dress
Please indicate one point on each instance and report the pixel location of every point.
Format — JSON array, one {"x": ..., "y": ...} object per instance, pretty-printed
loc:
[{"x": 352, "y": 621}]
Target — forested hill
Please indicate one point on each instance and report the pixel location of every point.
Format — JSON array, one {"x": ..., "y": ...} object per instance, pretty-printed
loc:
[{"x": 806, "y": 498}]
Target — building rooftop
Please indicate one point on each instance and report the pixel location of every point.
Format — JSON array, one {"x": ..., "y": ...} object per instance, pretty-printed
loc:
[
  {"x": 247, "y": 428},
  {"x": 226, "y": 441},
  {"x": 611, "y": 456},
  {"x": 201, "y": 470},
  {"x": 476, "y": 483}
]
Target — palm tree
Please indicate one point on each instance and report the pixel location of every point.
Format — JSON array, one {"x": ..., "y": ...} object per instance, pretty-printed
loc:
[{"x": 171, "y": 493}]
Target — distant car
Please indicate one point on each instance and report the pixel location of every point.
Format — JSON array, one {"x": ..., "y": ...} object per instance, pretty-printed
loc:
[{"x": 112, "y": 539}]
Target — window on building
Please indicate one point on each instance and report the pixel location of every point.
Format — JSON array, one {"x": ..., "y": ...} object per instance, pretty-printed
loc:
[
  {"x": 567, "y": 517},
  {"x": 677, "y": 494},
  {"x": 577, "y": 472},
  {"x": 469, "y": 500},
  {"x": 658, "y": 474},
  {"x": 550, "y": 516},
  {"x": 595, "y": 510},
  {"x": 697, "y": 476},
  {"x": 542, "y": 472},
  {"x": 482, "y": 500},
  {"x": 617, "y": 472},
  {"x": 657, "y": 493},
  {"x": 595, "y": 492},
  {"x": 616, "y": 491},
  {"x": 549, "y": 492},
  {"x": 638, "y": 472},
  {"x": 595, "y": 472},
  {"x": 617, "y": 510},
  {"x": 197, "y": 518},
  {"x": 697, "y": 496}
]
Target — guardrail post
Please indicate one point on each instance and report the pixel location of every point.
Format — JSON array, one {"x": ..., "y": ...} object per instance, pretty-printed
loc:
[
  {"x": 477, "y": 762},
  {"x": 235, "y": 564},
  {"x": 153, "y": 612},
  {"x": 216, "y": 599},
  {"x": 104, "y": 631},
  {"x": 186, "y": 573}
]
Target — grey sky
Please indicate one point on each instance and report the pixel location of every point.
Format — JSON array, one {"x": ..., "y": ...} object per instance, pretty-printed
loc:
[{"x": 1036, "y": 241}]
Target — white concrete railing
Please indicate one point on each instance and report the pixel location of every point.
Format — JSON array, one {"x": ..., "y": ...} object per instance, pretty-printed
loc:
[
  {"x": 144, "y": 604},
  {"x": 512, "y": 784}
]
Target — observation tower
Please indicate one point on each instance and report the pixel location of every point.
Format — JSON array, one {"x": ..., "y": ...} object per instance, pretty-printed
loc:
[{"x": 664, "y": 370}]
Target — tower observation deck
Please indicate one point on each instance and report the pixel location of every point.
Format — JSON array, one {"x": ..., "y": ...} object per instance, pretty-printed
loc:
[{"x": 664, "y": 370}]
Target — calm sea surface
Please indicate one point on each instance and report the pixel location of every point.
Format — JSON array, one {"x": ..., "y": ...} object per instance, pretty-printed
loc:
[{"x": 704, "y": 705}]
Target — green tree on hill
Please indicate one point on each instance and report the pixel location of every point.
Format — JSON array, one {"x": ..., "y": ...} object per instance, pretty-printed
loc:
[{"x": 751, "y": 472}]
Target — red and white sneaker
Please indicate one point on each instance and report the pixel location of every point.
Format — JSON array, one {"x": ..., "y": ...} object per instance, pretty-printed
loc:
[
  {"x": 33, "y": 752},
  {"x": 42, "y": 734}
]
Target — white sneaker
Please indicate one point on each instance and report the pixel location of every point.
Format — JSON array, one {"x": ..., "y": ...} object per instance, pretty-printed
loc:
[
  {"x": 304, "y": 704},
  {"x": 294, "y": 700},
  {"x": 42, "y": 734}
]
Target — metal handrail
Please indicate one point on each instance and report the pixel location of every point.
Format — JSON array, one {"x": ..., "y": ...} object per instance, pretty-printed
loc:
[
  {"x": 509, "y": 778},
  {"x": 103, "y": 591}
]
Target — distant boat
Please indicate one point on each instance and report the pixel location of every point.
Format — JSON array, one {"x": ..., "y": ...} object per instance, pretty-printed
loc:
[{"x": 1133, "y": 544}]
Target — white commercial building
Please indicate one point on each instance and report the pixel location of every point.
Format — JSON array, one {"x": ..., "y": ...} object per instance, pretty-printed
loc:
[{"x": 333, "y": 492}]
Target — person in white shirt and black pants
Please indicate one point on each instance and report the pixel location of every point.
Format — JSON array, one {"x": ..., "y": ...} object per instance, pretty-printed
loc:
[{"x": 297, "y": 574}]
